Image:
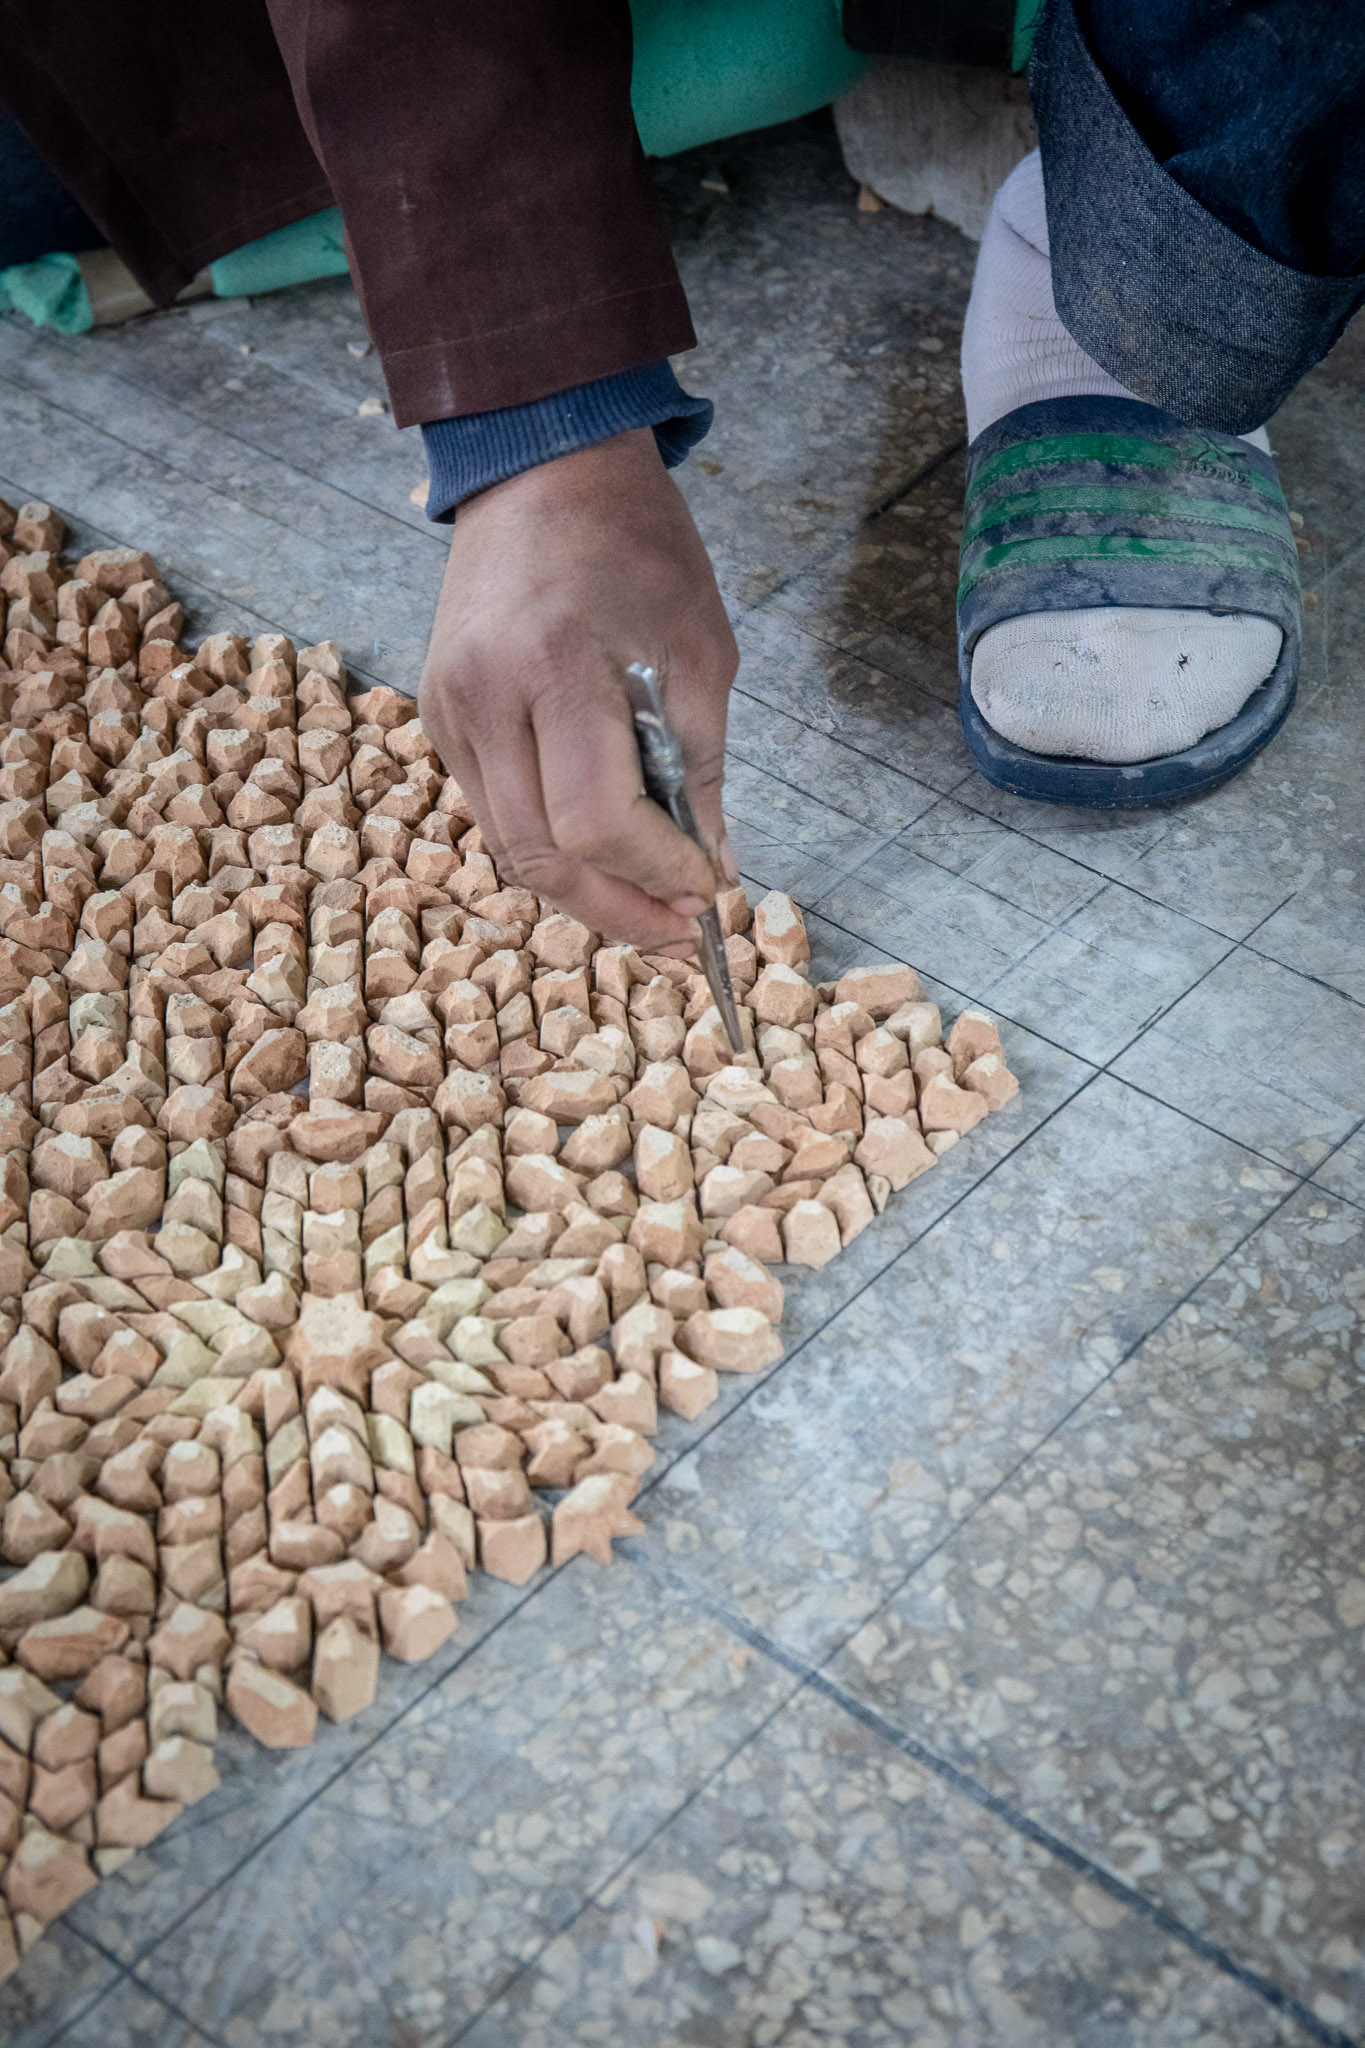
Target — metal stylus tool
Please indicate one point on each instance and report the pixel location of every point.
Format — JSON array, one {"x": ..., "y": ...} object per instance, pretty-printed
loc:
[{"x": 665, "y": 779}]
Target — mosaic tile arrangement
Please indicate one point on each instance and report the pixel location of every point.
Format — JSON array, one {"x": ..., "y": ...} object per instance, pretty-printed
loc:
[{"x": 351, "y": 1203}]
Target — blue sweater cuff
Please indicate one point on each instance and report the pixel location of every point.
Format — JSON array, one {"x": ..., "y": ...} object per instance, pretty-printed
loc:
[{"x": 465, "y": 455}]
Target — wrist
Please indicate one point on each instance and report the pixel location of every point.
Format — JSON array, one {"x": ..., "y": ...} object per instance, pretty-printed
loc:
[{"x": 586, "y": 481}]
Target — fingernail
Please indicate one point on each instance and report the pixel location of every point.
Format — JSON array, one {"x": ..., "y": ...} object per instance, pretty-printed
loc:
[
  {"x": 689, "y": 906},
  {"x": 727, "y": 859}
]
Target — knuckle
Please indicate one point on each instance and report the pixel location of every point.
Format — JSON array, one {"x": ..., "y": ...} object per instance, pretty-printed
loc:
[
  {"x": 586, "y": 839},
  {"x": 538, "y": 867}
]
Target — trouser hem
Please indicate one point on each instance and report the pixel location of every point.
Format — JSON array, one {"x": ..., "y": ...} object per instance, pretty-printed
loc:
[{"x": 1163, "y": 295}]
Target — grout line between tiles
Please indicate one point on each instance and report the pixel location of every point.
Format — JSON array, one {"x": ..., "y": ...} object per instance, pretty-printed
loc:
[
  {"x": 438, "y": 1678},
  {"x": 88, "y": 2004},
  {"x": 814, "y": 1679},
  {"x": 168, "y": 2005},
  {"x": 1330, "y": 988},
  {"x": 1052, "y": 925},
  {"x": 89, "y": 530},
  {"x": 539, "y": 1585},
  {"x": 215, "y": 429},
  {"x": 1335, "y": 1194}
]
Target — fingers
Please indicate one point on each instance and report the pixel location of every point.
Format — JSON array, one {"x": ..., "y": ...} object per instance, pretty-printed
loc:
[
  {"x": 696, "y": 689},
  {"x": 556, "y": 580},
  {"x": 434, "y": 705},
  {"x": 513, "y": 773},
  {"x": 595, "y": 807},
  {"x": 562, "y": 812}
]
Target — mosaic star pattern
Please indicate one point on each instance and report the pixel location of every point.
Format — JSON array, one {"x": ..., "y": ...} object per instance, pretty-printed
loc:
[{"x": 354, "y": 1208}]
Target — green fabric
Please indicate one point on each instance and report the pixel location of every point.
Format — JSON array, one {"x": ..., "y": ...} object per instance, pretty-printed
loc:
[
  {"x": 1121, "y": 501},
  {"x": 1027, "y": 14},
  {"x": 50, "y": 292},
  {"x": 709, "y": 68},
  {"x": 1115, "y": 449},
  {"x": 1068, "y": 547},
  {"x": 294, "y": 255}
]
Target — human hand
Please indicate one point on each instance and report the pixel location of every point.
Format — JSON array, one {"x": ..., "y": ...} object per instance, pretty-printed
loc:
[{"x": 558, "y": 579}]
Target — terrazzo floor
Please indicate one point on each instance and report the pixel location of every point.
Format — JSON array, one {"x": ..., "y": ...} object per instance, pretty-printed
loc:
[{"x": 990, "y": 1673}]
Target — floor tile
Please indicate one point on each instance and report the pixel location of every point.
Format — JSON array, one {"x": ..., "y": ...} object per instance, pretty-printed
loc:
[
  {"x": 826, "y": 1888},
  {"x": 947, "y": 926},
  {"x": 818, "y": 1496},
  {"x": 129, "y": 2017},
  {"x": 885, "y": 718},
  {"x": 1320, "y": 932},
  {"x": 788, "y": 840},
  {"x": 261, "y": 1791},
  {"x": 1343, "y": 1172},
  {"x": 229, "y": 521},
  {"x": 1033, "y": 878},
  {"x": 409, "y": 1893},
  {"x": 1151, "y": 1639},
  {"x": 819, "y": 765},
  {"x": 828, "y": 339},
  {"x": 1261, "y": 1054},
  {"x": 56, "y": 1980},
  {"x": 1106, "y": 972}
]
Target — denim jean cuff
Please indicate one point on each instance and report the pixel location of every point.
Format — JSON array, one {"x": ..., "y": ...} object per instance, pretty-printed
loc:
[{"x": 1165, "y": 296}]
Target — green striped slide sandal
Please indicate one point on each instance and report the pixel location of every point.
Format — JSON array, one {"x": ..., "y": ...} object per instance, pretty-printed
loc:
[{"x": 1076, "y": 503}]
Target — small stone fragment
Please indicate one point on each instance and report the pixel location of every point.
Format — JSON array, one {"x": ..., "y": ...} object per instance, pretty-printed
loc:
[
  {"x": 277, "y": 1712},
  {"x": 989, "y": 1077},
  {"x": 893, "y": 1149},
  {"x": 685, "y": 1387},
  {"x": 592, "y": 1514},
  {"x": 513, "y": 1550},
  {"x": 345, "y": 1669},
  {"x": 732, "y": 1339},
  {"x": 181, "y": 1770},
  {"x": 415, "y": 1621},
  {"x": 943, "y": 1106},
  {"x": 779, "y": 931}
]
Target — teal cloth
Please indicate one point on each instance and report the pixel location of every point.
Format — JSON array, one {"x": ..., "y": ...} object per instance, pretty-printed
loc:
[
  {"x": 306, "y": 249},
  {"x": 709, "y": 68},
  {"x": 51, "y": 292},
  {"x": 1027, "y": 14}
]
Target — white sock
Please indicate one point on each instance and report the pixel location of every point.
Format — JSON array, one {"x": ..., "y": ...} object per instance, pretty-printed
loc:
[{"x": 1114, "y": 684}]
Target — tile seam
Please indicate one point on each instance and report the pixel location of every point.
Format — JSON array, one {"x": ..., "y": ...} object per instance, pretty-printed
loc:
[
  {"x": 214, "y": 431},
  {"x": 815, "y": 1680}
]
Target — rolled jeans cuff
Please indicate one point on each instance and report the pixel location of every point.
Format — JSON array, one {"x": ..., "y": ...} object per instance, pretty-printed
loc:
[{"x": 1161, "y": 293}]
